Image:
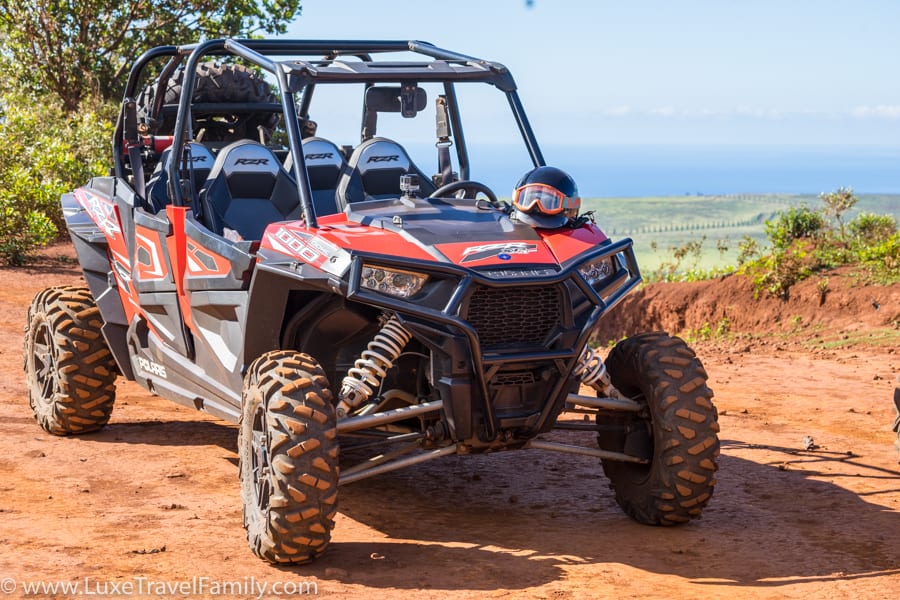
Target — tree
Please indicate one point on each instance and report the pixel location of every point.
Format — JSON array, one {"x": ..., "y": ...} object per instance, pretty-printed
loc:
[
  {"x": 79, "y": 49},
  {"x": 46, "y": 152},
  {"x": 836, "y": 204}
]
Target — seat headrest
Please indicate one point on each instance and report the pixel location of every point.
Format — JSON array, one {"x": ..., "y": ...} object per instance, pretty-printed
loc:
[
  {"x": 378, "y": 154},
  {"x": 318, "y": 152},
  {"x": 246, "y": 156},
  {"x": 201, "y": 157}
]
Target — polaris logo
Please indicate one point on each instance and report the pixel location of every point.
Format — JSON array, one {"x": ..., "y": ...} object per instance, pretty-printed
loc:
[
  {"x": 148, "y": 366},
  {"x": 389, "y": 158},
  {"x": 319, "y": 156},
  {"x": 252, "y": 161}
]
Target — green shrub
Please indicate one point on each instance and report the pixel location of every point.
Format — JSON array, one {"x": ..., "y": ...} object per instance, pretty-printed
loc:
[
  {"x": 870, "y": 229},
  {"x": 45, "y": 153},
  {"x": 748, "y": 249},
  {"x": 804, "y": 242},
  {"x": 777, "y": 272},
  {"x": 883, "y": 259},
  {"x": 798, "y": 222}
]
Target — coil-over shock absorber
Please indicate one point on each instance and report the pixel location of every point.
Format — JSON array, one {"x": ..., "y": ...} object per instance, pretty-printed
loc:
[
  {"x": 592, "y": 372},
  {"x": 367, "y": 373}
]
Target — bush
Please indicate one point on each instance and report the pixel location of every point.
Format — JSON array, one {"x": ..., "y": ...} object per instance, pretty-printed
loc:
[
  {"x": 777, "y": 272},
  {"x": 883, "y": 259},
  {"x": 798, "y": 222},
  {"x": 870, "y": 229},
  {"x": 804, "y": 242},
  {"x": 45, "y": 154}
]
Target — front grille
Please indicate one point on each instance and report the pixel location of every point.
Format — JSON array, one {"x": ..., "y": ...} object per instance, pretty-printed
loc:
[
  {"x": 513, "y": 378},
  {"x": 515, "y": 316}
]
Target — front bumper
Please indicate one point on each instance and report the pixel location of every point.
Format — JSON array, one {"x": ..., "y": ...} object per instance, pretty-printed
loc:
[{"x": 496, "y": 390}]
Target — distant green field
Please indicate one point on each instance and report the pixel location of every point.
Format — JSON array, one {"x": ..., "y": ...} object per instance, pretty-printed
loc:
[{"x": 723, "y": 220}]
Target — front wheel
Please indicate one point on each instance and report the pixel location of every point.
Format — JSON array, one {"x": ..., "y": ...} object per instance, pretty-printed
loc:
[
  {"x": 288, "y": 454},
  {"x": 677, "y": 432}
]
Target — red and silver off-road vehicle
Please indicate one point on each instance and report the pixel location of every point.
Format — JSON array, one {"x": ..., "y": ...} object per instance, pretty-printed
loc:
[{"x": 326, "y": 295}]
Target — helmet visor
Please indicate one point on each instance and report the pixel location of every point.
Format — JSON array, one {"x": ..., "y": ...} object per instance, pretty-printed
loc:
[{"x": 547, "y": 199}]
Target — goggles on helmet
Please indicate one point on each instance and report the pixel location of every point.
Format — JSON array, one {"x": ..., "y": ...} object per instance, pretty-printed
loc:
[{"x": 547, "y": 199}]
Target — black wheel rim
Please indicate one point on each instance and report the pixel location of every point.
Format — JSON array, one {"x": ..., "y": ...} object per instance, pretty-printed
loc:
[
  {"x": 638, "y": 440},
  {"x": 44, "y": 364},
  {"x": 259, "y": 457}
]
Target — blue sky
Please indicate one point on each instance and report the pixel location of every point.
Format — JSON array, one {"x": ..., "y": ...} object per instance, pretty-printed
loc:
[{"x": 744, "y": 72}]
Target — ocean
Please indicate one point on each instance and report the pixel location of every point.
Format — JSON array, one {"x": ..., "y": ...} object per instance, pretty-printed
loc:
[{"x": 633, "y": 170}]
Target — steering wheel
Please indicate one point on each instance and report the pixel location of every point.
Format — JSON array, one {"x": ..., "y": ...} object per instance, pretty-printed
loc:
[{"x": 470, "y": 189}]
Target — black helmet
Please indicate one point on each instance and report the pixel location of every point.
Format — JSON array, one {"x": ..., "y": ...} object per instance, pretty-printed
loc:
[{"x": 546, "y": 197}]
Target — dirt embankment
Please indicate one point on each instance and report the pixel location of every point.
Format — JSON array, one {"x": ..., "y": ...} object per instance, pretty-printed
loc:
[
  {"x": 836, "y": 303},
  {"x": 807, "y": 503}
]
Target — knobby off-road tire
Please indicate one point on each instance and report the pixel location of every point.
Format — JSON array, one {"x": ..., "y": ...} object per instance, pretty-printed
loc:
[
  {"x": 680, "y": 437},
  {"x": 288, "y": 458},
  {"x": 69, "y": 369},
  {"x": 215, "y": 83}
]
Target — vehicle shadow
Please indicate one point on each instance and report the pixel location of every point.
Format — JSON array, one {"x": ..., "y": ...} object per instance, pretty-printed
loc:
[
  {"x": 516, "y": 520},
  {"x": 521, "y": 519},
  {"x": 169, "y": 433}
]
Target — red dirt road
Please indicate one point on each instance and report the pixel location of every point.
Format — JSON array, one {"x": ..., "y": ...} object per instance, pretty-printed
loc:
[{"x": 784, "y": 521}]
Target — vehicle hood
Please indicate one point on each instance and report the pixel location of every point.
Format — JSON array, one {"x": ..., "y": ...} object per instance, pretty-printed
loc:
[{"x": 445, "y": 231}]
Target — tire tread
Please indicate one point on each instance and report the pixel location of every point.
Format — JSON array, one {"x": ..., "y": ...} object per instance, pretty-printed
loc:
[{"x": 680, "y": 479}]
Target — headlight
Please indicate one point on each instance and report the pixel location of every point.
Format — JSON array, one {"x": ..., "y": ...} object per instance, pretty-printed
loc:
[
  {"x": 393, "y": 282},
  {"x": 597, "y": 270}
]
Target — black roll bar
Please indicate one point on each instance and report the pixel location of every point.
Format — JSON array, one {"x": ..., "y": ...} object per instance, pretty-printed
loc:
[{"x": 291, "y": 73}]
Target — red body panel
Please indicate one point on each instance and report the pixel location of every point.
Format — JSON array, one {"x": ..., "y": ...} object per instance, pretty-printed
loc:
[
  {"x": 147, "y": 240},
  {"x": 105, "y": 214},
  {"x": 343, "y": 234},
  {"x": 203, "y": 262},
  {"x": 178, "y": 253},
  {"x": 566, "y": 244}
]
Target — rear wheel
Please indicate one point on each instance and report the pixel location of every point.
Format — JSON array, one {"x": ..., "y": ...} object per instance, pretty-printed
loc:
[
  {"x": 677, "y": 431},
  {"x": 69, "y": 369},
  {"x": 288, "y": 458}
]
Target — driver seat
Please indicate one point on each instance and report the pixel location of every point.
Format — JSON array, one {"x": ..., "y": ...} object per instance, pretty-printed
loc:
[{"x": 373, "y": 173}]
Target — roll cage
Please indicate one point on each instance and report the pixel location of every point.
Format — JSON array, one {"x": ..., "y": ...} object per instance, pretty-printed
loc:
[{"x": 289, "y": 63}]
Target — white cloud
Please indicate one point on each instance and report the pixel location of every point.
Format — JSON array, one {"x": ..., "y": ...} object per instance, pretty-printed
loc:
[
  {"x": 758, "y": 113},
  {"x": 662, "y": 111},
  {"x": 617, "y": 111},
  {"x": 882, "y": 111}
]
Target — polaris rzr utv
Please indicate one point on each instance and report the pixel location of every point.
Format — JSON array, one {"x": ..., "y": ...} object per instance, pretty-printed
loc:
[{"x": 329, "y": 296}]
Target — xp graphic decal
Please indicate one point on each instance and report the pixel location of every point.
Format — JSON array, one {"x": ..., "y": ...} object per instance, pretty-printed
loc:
[{"x": 503, "y": 251}]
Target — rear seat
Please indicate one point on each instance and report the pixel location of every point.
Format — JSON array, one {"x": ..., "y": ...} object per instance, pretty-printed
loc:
[{"x": 201, "y": 163}]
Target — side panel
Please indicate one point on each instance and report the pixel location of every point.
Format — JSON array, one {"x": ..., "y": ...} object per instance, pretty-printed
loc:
[
  {"x": 92, "y": 248},
  {"x": 154, "y": 281},
  {"x": 216, "y": 279},
  {"x": 103, "y": 208}
]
